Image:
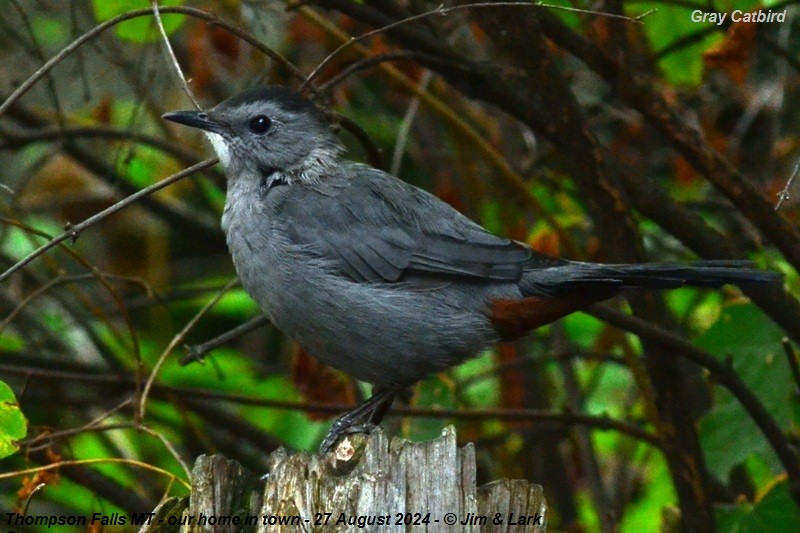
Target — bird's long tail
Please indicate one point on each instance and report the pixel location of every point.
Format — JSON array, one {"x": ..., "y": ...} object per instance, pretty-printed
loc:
[
  {"x": 571, "y": 277},
  {"x": 558, "y": 289}
]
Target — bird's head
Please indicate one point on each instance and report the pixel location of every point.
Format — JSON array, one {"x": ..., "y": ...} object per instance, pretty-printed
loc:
[{"x": 267, "y": 130}]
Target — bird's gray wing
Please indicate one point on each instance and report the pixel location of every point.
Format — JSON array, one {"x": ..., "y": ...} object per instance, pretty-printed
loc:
[{"x": 378, "y": 228}]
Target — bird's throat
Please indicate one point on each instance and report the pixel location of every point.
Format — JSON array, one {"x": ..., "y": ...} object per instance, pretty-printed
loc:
[{"x": 220, "y": 147}]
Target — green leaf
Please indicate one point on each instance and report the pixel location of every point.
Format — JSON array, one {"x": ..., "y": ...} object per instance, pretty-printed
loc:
[
  {"x": 753, "y": 343},
  {"x": 611, "y": 392},
  {"x": 657, "y": 493},
  {"x": 671, "y": 23},
  {"x": 483, "y": 389},
  {"x": 232, "y": 372},
  {"x": 235, "y": 304},
  {"x": 143, "y": 165},
  {"x": 582, "y": 329},
  {"x": 666, "y": 26},
  {"x": 775, "y": 510},
  {"x": 138, "y": 30},
  {"x": 13, "y": 425},
  {"x": 433, "y": 392},
  {"x": 101, "y": 445},
  {"x": 49, "y": 31}
]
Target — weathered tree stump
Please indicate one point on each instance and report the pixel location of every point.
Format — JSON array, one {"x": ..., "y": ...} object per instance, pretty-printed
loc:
[{"x": 367, "y": 484}]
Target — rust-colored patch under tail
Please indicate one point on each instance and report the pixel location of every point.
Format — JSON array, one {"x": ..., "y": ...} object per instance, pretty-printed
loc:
[{"x": 514, "y": 318}]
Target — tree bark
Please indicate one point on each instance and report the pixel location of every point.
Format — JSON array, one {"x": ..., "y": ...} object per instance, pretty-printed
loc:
[{"x": 423, "y": 486}]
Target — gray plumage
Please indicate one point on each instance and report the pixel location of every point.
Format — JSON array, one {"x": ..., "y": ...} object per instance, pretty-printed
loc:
[{"x": 377, "y": 277}]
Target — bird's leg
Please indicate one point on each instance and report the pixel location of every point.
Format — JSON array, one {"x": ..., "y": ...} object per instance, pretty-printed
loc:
[
  {"x": 363, "y": 419},
  {"x": 382, "y": 408}
]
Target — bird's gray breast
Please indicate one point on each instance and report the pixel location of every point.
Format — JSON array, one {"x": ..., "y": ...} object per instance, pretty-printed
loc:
[
  {"x": 292, "y": 280},
  {"x": 384, "y": 333},
  {"x": 257, "y": 243}
]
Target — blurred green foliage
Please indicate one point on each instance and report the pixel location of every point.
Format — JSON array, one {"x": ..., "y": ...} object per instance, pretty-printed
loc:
[
  {"x": 81, "y": 347},
  {"x": 13, "y": 426},
  {"x": 139, "y": 30}
]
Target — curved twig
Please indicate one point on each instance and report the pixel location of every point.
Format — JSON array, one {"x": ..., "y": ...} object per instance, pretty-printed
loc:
[
  {"x": 176, "y": 341},
  {"x": 171, "y": 53},
  {"x": 441, "y": 10},
  {"x": 72, "y": 232},
  {"x": 364, "y": 64},
  {"x": 533, "y": 415},
  {"x": 59, "y": 464},
  {"x": 723, "y": 374},
  {"x": 25, "y": 86}
]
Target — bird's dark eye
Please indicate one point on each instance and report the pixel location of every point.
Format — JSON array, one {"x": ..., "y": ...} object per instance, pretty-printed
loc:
[{"x": 260, "y": 124}]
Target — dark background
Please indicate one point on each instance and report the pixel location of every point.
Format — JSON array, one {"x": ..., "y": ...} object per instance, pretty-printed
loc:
[{"x": 587, "y": 136}]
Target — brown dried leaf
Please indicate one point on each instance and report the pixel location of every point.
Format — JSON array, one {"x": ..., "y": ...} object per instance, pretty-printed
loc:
[
  {"x": 683, "y": 171},
  {"x": 212, "y": 52},
  {"x": 29, "y": 484},
  {"x": 225, "y": 43},
  {"x": 102, "y": 113},
  {"x": 448, "y": 191},
  {"x": 547, "y": 242},
  {"x": 610, "y": 338},
  {"x": 512, "y": 388},
  {"x": 319, "y": 383},
  {"x": 734, "y": 53}
]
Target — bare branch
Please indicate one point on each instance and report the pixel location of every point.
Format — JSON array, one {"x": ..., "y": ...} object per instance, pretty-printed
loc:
[
  {"x": 441, "y": 10},
  {"x": 177, "y": 340},
  {"x": 722, "y": 373},
  {"x": 198, "y": 351},
  {"x": 100, "y": 28},
  {"x": 784, "y": 194},
  {"x": 73, "y": 231},
  {"x": 530, "y": 415},
  {"x": 405, "y": 125},
  {"x": 171, "y": 53}
]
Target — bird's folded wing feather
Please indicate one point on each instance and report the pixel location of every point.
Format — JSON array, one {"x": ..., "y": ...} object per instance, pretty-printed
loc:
[{"x": 378, "y": 228}]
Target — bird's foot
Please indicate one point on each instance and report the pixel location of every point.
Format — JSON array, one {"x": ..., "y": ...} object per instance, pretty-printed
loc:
[
  {"x": 363, "y": 419},
  {"x": 340, "y": 430}
]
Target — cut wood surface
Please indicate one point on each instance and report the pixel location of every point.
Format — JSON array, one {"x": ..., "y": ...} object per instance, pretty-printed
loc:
[{"x": 367, "y": 484}]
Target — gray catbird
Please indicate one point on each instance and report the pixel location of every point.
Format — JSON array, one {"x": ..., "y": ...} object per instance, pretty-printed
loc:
[{"x": 377, "y": 277}]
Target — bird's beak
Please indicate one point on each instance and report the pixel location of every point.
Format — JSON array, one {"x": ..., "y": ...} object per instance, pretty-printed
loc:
[{"x": 195, "y": 119}]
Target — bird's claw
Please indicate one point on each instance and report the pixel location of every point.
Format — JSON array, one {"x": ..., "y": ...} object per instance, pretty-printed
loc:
[{"x": 341, "y": 429}]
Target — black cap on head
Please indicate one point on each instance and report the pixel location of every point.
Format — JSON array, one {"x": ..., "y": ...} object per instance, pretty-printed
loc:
[{"x": 288, "y": 99}]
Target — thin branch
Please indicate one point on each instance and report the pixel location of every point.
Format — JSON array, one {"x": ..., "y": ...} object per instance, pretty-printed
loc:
[
  {"x": 25, "y": 86},
  {"x": 16, "y": 139},
  {"x": 168, "y": 445},
  {"x": 686, "y": 137},
  {"x": 405, "y": 125},
  {"x": 101, "y": 278},
  {"x": 510, "y": 178},
  {"x": 176, "y": 340},
  {"x": 723, "y": 374},
  {"x": 364, "y": 64},
  {"x": 791, "y": 357},
  {"x": 531, "y": 415},
  {"x": 441, "y": 10},
  {"x": 176, "y": 213},
  {"x": 39, "y": 54},
  {"x": 72, "y": 232},
  {"x": 373, "y": 152},
  {"x": 36, "y": 489},
  {"x": 575, "y": 399},
  {"x": 197, "y": 352},
  {"x": 784, "y": 194},
  {"x": 69, "y": 279},
  {"x": 115, "y": 460},
  {"x": 171, "y": 52}
]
